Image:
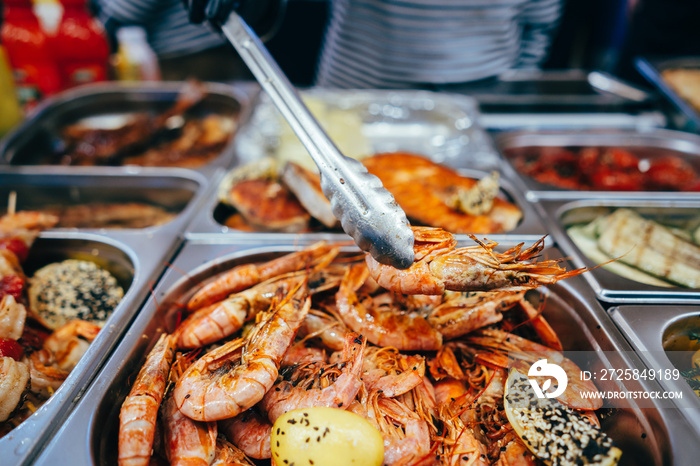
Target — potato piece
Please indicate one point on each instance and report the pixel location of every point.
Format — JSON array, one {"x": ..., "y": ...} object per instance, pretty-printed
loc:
[{"x": 319, "y": 436}]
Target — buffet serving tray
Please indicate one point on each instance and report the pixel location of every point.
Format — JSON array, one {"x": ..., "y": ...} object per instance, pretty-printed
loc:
[
  {"x": 209, "y": 220},
  {"x": 649, "y": 143},
  {"x": 607, "y": 285},
  {"x": 648, "y": 436},
  {"x": 646, "y": 328},
  {"x": 38, "y": 136},
  {"x": 134, "y": 263},
  {"x": 682, "y": 114},
  {"x": 177, "y": 191},
  {"x": 441, "y": 126},
  {"x": 136, "y": 257}
]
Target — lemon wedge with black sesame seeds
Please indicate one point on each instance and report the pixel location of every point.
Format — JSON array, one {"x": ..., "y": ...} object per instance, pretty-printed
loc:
[{"x": 553, "y": 432}]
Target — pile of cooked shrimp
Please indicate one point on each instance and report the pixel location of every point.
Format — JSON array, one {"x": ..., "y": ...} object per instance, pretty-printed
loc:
[
  {"x": 34, "y": 360},
  {"x": 420, "y": 353}
]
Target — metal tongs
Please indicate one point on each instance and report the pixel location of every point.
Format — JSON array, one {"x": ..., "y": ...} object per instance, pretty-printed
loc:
[{"x": 367, "y": 211}]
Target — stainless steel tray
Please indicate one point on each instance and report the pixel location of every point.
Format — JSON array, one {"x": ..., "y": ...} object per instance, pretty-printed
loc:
[
  {"x": 647, "y": 143},
  {"x": 649, "y": 436},
  {"x": 209, "y": 220},
  {"x": 608, "y": 286},
  {"x": 441, "y": 126},
  {"x": 176, "y": 190},
  {"x": 682, "y": 114},
  {"x": 134, "y": 263},
  {"x": 135, "y": 256},
  {"x": 645, "y": 328},
  {"x": 39, "y": 135}
]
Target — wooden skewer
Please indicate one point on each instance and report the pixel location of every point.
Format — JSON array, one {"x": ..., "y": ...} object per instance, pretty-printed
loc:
[{"x": 12, "y": 203}]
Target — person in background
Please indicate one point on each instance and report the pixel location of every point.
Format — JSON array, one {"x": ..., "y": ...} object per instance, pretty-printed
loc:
[
  {"x": 418, "y": 43},
  {"x": 185, "y": 48}
]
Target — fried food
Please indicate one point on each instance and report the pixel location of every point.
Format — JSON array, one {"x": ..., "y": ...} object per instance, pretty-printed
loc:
[{"x": 426, "y": 190}]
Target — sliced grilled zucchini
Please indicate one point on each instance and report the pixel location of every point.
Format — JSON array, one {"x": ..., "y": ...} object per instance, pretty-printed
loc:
[{"x": 555, "y": 433}]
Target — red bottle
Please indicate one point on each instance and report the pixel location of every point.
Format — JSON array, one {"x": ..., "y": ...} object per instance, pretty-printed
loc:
[
  {"x": 33, "y": 67},
  {"x": 80, "y": 45}
]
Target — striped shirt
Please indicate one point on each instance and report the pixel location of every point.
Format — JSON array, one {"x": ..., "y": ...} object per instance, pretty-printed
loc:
[
  {"x": 169, "y": 31},
  {"x": 406, "y": 43}
]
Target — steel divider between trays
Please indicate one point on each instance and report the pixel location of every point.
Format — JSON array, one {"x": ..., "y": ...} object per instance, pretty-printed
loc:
[
  {"x": 91, "y": 426},
  {"x": 146, "y": 250},
  {"x": 610, "y": 287}
]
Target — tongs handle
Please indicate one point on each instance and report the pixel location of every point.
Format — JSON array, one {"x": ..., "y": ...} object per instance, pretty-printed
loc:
[{"x": 367, "y": 211}]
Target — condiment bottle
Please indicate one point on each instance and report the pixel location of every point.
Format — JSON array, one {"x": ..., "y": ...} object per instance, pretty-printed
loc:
[
  {"x": 80, "y": 45},
  {"x": 34, "y": 69},
  {"x": 10, "y": 113},
  {"x": 135, "y": 59}
]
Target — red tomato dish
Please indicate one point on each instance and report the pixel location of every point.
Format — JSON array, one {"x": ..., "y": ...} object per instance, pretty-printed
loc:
[{"x": 605, "y": 169}]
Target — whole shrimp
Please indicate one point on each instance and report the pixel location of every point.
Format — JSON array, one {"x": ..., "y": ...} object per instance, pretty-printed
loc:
[
  {"x": 306, "y": 392},
  {"x": 12, "y": 318},
  {"x": 250, "y": 432},
  {"x": 219, "y": 320},
  {"x": 247, "y": 275},
  {"x": 69, "y": 342},
  {"x": 406, "y": 436},
  {"x": 391, "y": 372},
  {"x": 499, "y": 346},
  {"x": 137, "y": 418},
  {"x": 26, "y": 220},
  {"x": 462, "y": 313},
  {"x": 185, "y": 442},
  {"x": 227, "y": 454},
  {"x": 439, "y": 266},
  {"x": 459, "y": 446},
  {"x": 14, "y": 377},
  {"x": 408, "y": 331},
  {"x": 234, "y": 377}
]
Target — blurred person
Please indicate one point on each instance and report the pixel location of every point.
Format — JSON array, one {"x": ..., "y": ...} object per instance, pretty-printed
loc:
[
  {"x": 414, "y": 43},
  {"x": 186, "y": 49}
]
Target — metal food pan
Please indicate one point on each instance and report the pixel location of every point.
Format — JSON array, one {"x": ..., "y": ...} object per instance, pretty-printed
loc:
[
  {"x": 209, "y": 220},
  {"x": 683, "y": 115},
  {"x": 39, "y": 136},
  {"x": 646, "y": 328},
  {"x": 177, "y": 192},
  {"x": 134, "y": 264},
  {"x": 647, "y": 436},
  {"x": 608, "y": 286},
  {"x": 646, "y": 144},
  {"x": 441, "y": 126}
]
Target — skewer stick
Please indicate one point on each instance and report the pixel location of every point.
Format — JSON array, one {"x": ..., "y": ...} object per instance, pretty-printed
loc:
[{"x": 12, "y": 203}]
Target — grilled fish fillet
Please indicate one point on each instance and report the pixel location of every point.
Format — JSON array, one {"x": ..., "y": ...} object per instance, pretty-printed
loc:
[
  {"x": 422, "y": 187},
  {"x": 268, "y": 205}
]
